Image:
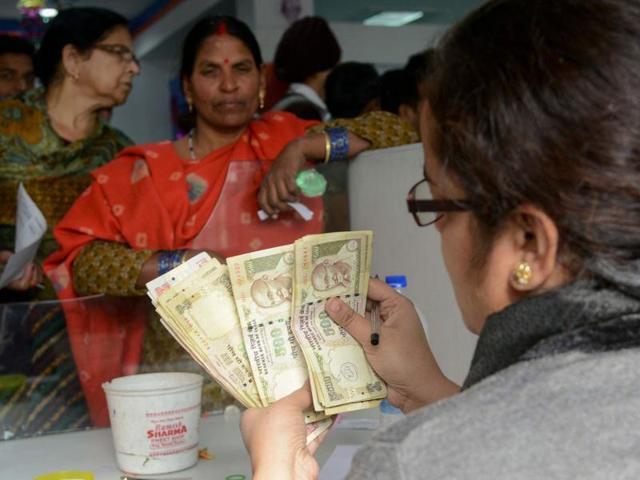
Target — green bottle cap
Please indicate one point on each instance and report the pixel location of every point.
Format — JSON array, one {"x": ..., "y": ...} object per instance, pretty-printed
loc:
[{"x": 311, "y": 182}]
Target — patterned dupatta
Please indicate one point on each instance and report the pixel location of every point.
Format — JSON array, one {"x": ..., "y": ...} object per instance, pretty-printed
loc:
[
  {"x": 149, "y": 198},
  {"x": 53, "y": 171}
]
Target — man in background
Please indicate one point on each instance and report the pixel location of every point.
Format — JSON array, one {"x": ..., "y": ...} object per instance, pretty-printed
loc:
[
  {"x": 16, "y": 66},
  {"x": 402, "y": 90}
]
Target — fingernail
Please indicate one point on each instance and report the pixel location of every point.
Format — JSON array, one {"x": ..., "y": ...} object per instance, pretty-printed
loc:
[{"x": 333, "y": 306}]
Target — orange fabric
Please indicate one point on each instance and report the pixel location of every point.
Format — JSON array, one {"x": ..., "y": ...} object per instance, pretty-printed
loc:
[{"x": 149, "y": 198}]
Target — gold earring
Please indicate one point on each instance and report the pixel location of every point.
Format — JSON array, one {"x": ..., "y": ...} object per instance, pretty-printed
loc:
[
  {"x": 190, "y": 105},
  {"x": 76, "y": 77},
  {"x": 523, "y": 273},
  {"x": 261, "y": 96}
]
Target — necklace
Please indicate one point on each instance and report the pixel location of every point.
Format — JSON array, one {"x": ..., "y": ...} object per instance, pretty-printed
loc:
[{"x": 192, "y": 152}]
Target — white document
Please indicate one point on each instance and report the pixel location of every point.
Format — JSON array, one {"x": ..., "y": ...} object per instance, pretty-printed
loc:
[
  {"x": 30, "y": 228},
  {"x": 338, "y": 464},
  {"x": 305, "y": 212}
]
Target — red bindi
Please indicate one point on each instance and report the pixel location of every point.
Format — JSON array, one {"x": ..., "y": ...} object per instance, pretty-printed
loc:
[
  {"x": 226, "y": 60},
  {"x": 222, "y": 28}
]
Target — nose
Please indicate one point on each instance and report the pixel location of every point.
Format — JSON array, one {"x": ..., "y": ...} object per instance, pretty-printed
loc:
[
  {"x": 134, "y": 67},
  {"x": 228, "y": 83}
]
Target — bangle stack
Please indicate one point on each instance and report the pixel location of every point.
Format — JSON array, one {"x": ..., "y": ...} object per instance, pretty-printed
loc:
[
  {"x": 336, "y": 144},
  {"x": 170, "y": 259}
]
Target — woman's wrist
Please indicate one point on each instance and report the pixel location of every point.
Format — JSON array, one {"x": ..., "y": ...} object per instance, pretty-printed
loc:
[
  {"x": 270, "y": 468},
  {"x": 295, "y": 468},
  {"x": 431, "y": 392},
  {"x": 311, "y": 147}
]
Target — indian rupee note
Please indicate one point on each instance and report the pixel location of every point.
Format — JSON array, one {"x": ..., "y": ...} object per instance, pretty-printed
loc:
[
  {"x": 204, "y": 308},
  {"x": 333, "y": 265},
  {"x": 262, "y": 282}
]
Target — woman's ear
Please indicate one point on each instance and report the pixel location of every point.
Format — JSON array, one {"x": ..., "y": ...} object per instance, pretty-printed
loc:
[
  {"x": 536, "y": 239},
  {"x": 71, "y": 61}
]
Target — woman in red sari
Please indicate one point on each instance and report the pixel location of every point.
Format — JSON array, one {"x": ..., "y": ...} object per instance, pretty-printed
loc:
[{"x": 156, "y": 205}]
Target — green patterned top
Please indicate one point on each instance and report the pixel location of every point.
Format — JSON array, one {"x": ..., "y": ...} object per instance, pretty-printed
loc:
[{"x": 54, "y": 172}]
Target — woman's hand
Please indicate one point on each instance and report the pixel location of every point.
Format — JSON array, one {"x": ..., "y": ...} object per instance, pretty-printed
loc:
[
  {"x": 31, "y": 275},
  {"x": 403, "y": 358},
  {"x": 192, "y": 253},
  {"x": 149, "y": 270},
  {"x": 279, "y": 185},
  {"x": 276, "y": 438}
]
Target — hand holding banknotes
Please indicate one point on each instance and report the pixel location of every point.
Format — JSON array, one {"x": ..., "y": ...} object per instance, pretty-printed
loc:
[
  {"x": 275, "y": 437},
  {"x": 402, "y": 358}
]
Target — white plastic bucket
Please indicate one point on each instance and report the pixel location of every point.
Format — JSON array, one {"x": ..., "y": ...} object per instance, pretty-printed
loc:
[{"x": 154, "y": 420}]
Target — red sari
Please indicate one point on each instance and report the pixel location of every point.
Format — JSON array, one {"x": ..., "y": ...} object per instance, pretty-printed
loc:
[{"x": 149, "y": 198}]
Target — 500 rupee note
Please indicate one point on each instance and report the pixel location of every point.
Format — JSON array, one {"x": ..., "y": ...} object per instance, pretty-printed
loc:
[{"x": 262, "y": 287}]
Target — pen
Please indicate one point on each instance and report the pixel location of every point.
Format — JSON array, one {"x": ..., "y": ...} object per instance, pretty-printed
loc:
[{"x": 375, "y": 323}]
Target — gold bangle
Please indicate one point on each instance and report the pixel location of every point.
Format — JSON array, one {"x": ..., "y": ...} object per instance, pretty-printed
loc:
[{"x": 327, "y": 147}]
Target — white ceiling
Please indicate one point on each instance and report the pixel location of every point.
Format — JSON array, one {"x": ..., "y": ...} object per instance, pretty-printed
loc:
[
  {"x": 435, "y": 11},
  {"x": 440, "y": 12}
]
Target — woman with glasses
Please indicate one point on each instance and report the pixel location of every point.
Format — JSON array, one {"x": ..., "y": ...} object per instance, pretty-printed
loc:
[
  {"x": 532, "y": 178},
  {"x": 51, "y": 138}
]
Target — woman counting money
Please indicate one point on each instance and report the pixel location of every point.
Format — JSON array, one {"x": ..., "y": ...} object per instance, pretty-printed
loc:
[
  {"x": 532, "y": 179},
  {"x": 156, "y": 205}
]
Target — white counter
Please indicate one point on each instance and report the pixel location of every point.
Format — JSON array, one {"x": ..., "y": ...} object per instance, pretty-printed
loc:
[{"x": 93, "y": 451}]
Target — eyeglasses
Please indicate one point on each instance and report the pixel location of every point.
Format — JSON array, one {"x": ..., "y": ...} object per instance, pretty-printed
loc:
[
  {"x": 125, "y": 53},
  {"x": 426, "y": 210}
]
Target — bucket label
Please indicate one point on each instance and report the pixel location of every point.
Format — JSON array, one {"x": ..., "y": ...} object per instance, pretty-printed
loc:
[{"x": 167, "y": 431}]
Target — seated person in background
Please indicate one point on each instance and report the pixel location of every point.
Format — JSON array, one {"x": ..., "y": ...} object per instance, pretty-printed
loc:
[
  {"x": 275, "y": 88},
  {"x": 50, "y": 140},
  {"x": 305, "y": 55},
  {"x": 159, "y": 204},
  {"x": 402, "y": 90},
  {"x": 533, "y": 183},
  {"x": 16, "y": 66},
  {"x": 351, "y": 89}
]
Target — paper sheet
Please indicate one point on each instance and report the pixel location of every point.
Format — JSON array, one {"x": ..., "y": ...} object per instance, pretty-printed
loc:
[
  {"x": 305, "y": 212},
  {"x": 339, "y": 463},
  {"x": 30, "y": 228}
]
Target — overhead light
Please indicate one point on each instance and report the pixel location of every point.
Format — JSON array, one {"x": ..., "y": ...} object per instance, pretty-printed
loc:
[
  {"x": 48, "y": 12},
  {"x": 392, "y": 19}
]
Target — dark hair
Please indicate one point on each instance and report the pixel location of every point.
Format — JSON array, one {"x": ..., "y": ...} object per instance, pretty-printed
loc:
[
  {"x": 537, "y": 102},
  {"x": 307, "y": 47},
  {"x": 81, "y": 27},
  {"x": 209, "y": 26},
  {"x": 396, "y": 89},
  {"x": 17, "y": 45},
  {"x": 418, "y": 69},
  {"x": 350, "y": 87}
]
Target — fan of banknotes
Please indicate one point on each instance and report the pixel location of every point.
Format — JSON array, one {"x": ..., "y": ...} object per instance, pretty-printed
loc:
[{"x": 258, "y": 325}]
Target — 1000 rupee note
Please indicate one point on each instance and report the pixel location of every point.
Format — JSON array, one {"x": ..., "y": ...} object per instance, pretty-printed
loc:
[
  {"x": 262, "y": 285},
  {"x": 333, "y": 265},
  {"x": 202, "y": 307}
]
